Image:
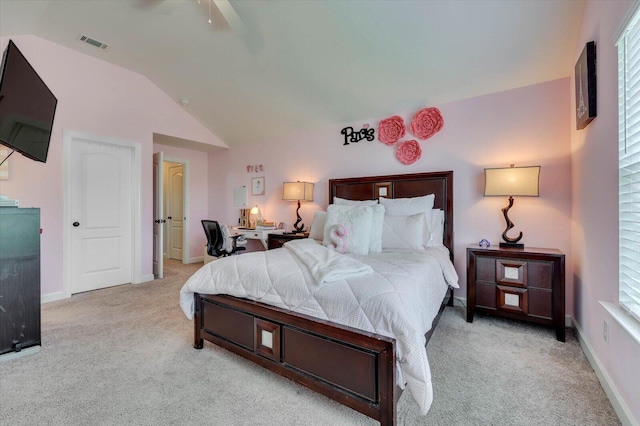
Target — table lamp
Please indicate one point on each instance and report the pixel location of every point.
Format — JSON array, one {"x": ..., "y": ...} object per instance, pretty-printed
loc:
[
  {"x": 297, "y": 191},
  {"x": 511, "y": 181},
  {"x": 254, "y": 211}
]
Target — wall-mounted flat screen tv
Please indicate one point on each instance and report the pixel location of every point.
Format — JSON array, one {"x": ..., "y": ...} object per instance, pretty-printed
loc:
[{"x": 27, "y": 107}]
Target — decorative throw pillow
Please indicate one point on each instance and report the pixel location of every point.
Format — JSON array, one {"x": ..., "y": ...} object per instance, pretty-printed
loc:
[
  {"x": 404, "y": 232},
  {"x": 356, "y": 221},
  {"x": 344, "y": 202},
  {"x": 317, "y": 226},
  {"x": 338, "y": 235},
  {"x": 375, "y": 242}
]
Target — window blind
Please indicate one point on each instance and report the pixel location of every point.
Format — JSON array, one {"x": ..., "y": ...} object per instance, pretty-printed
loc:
[{"x": 629, "y": 167}]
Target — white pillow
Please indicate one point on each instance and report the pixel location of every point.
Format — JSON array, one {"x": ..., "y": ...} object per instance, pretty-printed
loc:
[
  {"x": 408, "y": 206},
  {"x": 377, "y": 220},
  {"x": 317, "y": 226},
  {"x": 404, "y": 232},
  {"x": 357, "y": 223},
  {"x": 344, "y": 202},
  {"x": 411, "y": 206},
  {"x": 436, "y": 228}
]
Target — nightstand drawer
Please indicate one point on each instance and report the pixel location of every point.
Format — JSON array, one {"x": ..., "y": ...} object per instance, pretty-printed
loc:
[
  {"x": 511, "y": 272},
  {"x": 513, "y": 299}
]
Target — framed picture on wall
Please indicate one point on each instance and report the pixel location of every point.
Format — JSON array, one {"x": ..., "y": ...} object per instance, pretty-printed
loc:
[
  {"x": 257, "y": 186},
  {"x": 585, "y": 77}
]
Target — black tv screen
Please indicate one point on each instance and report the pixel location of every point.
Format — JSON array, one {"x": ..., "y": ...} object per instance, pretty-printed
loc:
[{"x": 27, "y": 107}]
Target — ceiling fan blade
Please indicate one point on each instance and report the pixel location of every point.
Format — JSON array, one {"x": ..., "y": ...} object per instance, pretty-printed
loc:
[{"x": 230, "y": 15}]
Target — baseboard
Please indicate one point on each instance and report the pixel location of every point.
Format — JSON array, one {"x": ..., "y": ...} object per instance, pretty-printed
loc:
[
  {"x": 568, "y": 321},
  {"x": 52, "y": 297},
  {"x": 620, "y": 407},
  {"x": 13, "y": 355},
  {"x": 194, "y": 260},
  {"x": 145, "y": 278},
  {"x": 460, "y": 302}
]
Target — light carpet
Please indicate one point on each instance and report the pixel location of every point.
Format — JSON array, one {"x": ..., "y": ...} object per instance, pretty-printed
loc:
[{"x": 124, "y": 356}]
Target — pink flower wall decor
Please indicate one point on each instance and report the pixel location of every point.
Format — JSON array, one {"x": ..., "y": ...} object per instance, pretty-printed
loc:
[
  {"x": 427, "y": 122},
  {"x": 409, "y": 152},
  {"x": 391, "y": 129}
]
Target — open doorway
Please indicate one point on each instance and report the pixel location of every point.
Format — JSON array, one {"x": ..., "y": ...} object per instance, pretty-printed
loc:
[{"x": 171, "y": 226}]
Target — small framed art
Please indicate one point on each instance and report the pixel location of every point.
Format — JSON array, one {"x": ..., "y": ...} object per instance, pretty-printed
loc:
[
  {"x": 585, "y": 76},
  {"x": 257, "y": 186}
]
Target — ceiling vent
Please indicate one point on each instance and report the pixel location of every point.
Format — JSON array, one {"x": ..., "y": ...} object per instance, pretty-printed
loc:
[{"x": 92, "y": 42}]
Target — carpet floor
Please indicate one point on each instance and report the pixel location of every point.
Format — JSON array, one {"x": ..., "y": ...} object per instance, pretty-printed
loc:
[{"x": 124, "y": 356}]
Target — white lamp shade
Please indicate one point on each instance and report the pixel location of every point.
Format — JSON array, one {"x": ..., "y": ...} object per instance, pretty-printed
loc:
[
  {"x": 297, "y": 191},
  {"x": 508, "y": 181}
]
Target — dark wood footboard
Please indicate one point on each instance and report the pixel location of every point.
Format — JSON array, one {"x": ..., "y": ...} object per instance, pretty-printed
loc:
[{"x": 354, "y": 368}]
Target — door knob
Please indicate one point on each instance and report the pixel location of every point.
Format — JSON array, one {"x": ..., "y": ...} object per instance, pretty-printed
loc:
[
  {"x": 169, "y": 217},
  {"x": 76, "y": 224}
]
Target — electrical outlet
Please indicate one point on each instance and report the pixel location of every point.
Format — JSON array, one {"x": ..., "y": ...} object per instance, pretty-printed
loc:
[{"x": 605, "y": 331}]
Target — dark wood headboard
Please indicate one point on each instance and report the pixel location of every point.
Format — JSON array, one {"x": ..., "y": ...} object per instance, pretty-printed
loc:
[{"x": 402, "y": 186}]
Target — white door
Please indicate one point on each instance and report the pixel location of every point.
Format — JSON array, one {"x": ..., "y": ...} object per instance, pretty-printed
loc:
[
  {"x": 158, "y": 217},
  {"x": 176, "y": 210},
  {"x": 101, "y": 213}
]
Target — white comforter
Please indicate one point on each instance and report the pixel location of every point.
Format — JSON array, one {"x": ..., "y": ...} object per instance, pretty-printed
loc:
[{"x": 399, "y": 298}]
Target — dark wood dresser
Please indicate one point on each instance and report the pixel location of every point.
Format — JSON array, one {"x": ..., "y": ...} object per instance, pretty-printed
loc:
[
  {"x": 19, "y": 279},
  {"x": 277, "y": 240},
  {"x": 525, "y": 284}
]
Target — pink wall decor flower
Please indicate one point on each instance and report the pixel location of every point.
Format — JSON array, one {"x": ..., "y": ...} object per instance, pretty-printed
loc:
[
  {"x": 391, "y": 129},
  {"x": 427, "y": 122},
  {"x": 409, "y": 152}
]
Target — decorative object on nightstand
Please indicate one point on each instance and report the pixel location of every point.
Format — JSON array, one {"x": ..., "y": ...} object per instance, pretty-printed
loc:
[
  {"x": 297, "y": 191},
  {"x": 511, "y": 181},
  {"x": 484, "y": 243},
  {"x": 524, "y": 284}
]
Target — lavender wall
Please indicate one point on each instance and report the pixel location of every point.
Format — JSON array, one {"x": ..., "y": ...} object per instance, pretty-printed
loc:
[
  {"x": 526, "y": 126},
  {"x": 98, "y": 98},
  {"x": 595, "y": 208}
]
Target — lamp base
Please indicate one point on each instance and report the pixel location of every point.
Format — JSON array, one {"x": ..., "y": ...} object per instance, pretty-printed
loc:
[{"x": 517, "y": 246}]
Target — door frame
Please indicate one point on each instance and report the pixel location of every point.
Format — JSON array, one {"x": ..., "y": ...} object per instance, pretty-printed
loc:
[
  {"x": 136, "y": 196},
  {"x": 158, "y": 214},
  {"x": 186, "y": 228}
]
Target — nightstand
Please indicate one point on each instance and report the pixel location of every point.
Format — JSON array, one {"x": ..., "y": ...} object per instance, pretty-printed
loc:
[
  {"x": 277, "y": 240},
  {"x": 525, "y": 284}
]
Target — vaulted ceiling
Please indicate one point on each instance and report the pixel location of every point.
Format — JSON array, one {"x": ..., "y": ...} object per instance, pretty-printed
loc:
[{"x": 288, "y": 66}]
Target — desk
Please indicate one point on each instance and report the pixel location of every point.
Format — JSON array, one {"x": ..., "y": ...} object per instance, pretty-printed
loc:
[{"x": 256, "y": 234}]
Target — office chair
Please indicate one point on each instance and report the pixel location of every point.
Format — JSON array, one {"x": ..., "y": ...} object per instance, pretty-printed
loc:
[{"x": 215, "y": 240}]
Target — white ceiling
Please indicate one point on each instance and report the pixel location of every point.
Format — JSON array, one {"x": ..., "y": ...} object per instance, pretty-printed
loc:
[{"x": 303, "y": 64}]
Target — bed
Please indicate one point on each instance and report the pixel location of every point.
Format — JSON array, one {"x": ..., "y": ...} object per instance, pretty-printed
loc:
[{"x": 353, "y": 366}]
